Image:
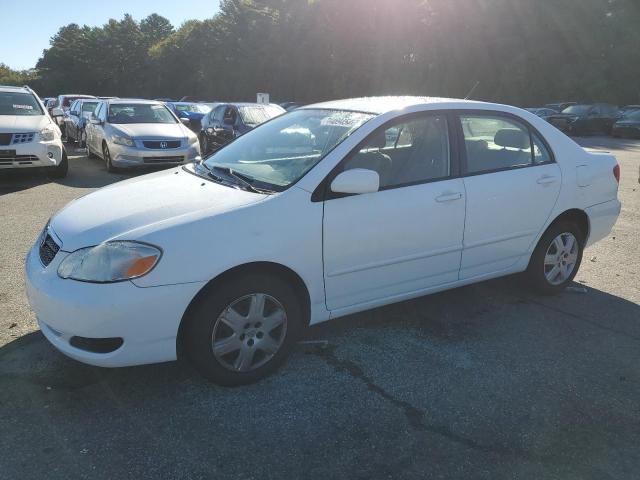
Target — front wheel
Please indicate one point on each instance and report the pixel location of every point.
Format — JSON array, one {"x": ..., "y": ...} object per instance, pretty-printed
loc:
[
  {"x": 244, "y": 330},
  {"x": 107, "y": 159},
  {"x": 60, "y": 171},
  {"x": 557, "y": 257}
]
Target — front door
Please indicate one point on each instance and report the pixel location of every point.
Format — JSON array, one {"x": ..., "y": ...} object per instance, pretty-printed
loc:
[{"x": 407, "y": 237}]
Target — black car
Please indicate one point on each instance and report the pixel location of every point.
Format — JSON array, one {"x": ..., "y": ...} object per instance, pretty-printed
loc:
[
  {"x": 230, "y": 120},
  {"x": 560, "y": 106},
  {"x": 586, "y": 119},
  {"x": 628, "y": 126}
]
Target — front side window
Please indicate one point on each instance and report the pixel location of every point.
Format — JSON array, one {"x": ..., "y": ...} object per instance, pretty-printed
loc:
[
  {"x": 408, "y": 152},
  {"x": 495, "y": 143},
  {"x": 123, "y": 113},
  {"x": 278, "y": 153},
  {"x": 20, "y": 104}
]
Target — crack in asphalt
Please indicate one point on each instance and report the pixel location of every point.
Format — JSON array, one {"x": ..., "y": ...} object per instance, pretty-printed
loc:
[{"x": 414, "y": 416}]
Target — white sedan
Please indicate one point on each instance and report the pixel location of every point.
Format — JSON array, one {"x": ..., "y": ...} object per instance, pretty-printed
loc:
[{"x": 325, "y": 211}]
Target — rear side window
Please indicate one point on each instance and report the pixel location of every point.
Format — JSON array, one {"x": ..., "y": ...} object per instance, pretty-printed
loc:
[{"x": 498, "y": 143}]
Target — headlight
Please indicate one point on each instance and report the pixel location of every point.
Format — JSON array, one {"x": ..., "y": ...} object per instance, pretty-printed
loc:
[
  {"x": 110, "y": 262},
  {"x": 193, "y": 140},
  {"x": 122, "y": 141},
  {"x": 48, "y": 133}
]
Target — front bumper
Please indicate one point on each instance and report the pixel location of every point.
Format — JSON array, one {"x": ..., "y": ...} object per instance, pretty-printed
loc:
[
  {"x": 123, "y": 156},
  {"x": 32, "y": 154},
  {"x": 602, "y": 218},
  {"x": 147, "y": 319}
]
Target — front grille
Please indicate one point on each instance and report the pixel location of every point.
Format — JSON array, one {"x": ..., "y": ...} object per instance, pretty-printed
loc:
[
  {"x": 19, "y": 138},
  {"x": 16, "y": 138},
  {"x": 48, "y": 250},
  {"x": 18, "y": 160},
  {"x": 161, "y": 144},
  {"x": 176, "y": 159}
]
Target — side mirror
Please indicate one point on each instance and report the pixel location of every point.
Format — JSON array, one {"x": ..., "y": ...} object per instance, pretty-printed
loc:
[
  {"x": 57, "y": 112},
  {"x": 95, "y": 120},
  {"x": 185, "y": 121},
  {"x": 356, "y": 181},
  {"x": 75, "y": 113}
]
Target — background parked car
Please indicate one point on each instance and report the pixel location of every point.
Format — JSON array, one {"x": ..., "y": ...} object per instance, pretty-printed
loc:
[
  {"x": 28, "y": 136},
  {"x": 129, "y": 133},
  {"x": 63, "y": 102},
  {"x": 586, "y": 119},
  {"x": 542, "y": 112},
  {"x": 76, "y": 119},
  {"x": 629, "y": 109},
  {"x": 206, "y": 122},
  {"x": 628, "y": 126},
  {"x": 190, "y": 111},
  {"x": 230, "y": 120},
  {"x": 288, "y": 106},
  {"x": 560, "y": 106}
]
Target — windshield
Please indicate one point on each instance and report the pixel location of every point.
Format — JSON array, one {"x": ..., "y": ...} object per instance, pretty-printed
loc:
[
  {"x": 577, "y": 109},
  {"x": 139, "y": 113},
  {"x": 281, "y": 151},
  {"x": 255, "y": 115},
  {"x": 89, "y": 106},
  {"x": 17, "y": 103},
  {"x": 192, "y": 107},
  {"x": 69, "y": 100},
  {"x": 632, "y": 115}
]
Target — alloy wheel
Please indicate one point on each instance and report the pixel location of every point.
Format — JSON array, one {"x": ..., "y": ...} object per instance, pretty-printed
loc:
[
  {"x": 561, "y": 258},
  {"x": 249, "y": 332}
]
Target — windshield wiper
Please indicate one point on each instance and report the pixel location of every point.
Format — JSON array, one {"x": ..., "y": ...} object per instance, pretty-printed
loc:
[{"x": 245, "y": 180}]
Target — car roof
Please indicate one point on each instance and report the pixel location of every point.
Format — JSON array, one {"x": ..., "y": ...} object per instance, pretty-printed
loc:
[
  {"x": 83, "y": 95},
  {"x": 11, "y": 88},
  {"x": 115, "y": 101},
  {"x": 380, "y": 105},
  {"x": 248, "y": 104}
]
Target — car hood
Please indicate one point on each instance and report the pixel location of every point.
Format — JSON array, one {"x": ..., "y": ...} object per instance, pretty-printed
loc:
[
  {"x": 153, "y": 130},
  {"x": 194, "y": 115},
  {"x": 153, "y": 200},
  {"x": 22, "y": 123}
]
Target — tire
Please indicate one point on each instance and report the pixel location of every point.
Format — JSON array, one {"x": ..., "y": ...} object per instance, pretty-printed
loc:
[
  {"x": 60, "y": 171},
  {"x": 242, "y": 360},
  {"x": 550, "y": 256},
  {"x": 107, "y": 159}
]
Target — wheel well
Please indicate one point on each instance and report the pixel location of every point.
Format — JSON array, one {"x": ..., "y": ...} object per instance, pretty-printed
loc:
[
  {"x": 269, "y": 268},
  {"x": 579, "y": 217}
]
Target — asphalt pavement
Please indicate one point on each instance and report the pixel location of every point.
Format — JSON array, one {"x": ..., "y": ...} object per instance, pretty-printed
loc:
[{"x": 489, "y": 381}]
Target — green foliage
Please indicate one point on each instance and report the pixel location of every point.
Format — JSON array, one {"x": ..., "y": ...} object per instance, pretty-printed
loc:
[
  {"x": 520, "y": 51},
  {"x": 16, "y": 77}
]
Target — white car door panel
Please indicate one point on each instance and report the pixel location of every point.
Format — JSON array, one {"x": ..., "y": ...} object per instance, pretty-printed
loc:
[{"x": 392, "y": 242}]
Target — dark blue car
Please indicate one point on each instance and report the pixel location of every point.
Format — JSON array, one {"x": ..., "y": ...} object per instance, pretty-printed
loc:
[{"x": 189, "y": 111}]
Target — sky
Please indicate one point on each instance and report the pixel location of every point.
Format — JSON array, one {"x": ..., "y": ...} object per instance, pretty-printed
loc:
[{"x": 27, "y": 27}]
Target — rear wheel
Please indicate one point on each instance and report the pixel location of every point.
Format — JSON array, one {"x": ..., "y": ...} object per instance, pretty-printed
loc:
[
  {"x": 244, "y": 329},
  {"x": 557, "y": 257}
]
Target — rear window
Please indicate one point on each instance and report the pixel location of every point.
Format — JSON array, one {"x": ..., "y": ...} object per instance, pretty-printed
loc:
[
  {"x": 257, "y": 115},
  {"x": 89, "y": 106},
  {"x": 69, "y": 100},
  {"x": 577, "y": 109},
  {"x": 17, "y": 103}
]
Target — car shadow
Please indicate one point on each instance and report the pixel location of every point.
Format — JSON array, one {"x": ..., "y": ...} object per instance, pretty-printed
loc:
[
  {"x": 83, "y": 172},
  {"x": 453, "y": 315}
]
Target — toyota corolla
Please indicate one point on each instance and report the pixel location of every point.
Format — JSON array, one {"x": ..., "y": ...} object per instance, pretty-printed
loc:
[{"x": 325, "y": 211}]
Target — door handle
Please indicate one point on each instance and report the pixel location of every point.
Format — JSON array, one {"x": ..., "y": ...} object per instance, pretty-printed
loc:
[
  {"x": 546, "y": 180},
  {"x": 449, "y": 197}
]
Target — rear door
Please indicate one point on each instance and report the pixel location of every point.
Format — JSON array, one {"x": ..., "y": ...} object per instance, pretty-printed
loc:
[{"x": 512, "y": 183}]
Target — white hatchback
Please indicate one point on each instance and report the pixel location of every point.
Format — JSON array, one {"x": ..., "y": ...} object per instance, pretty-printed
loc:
[{"x": 322, "y": 212}]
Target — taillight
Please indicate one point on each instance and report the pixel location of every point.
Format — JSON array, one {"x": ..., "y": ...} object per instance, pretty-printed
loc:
[{"x": 616, "y": 172}]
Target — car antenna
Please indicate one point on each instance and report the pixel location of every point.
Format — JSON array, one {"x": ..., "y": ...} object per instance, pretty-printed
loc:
[{"x": 472, "y": 90}]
